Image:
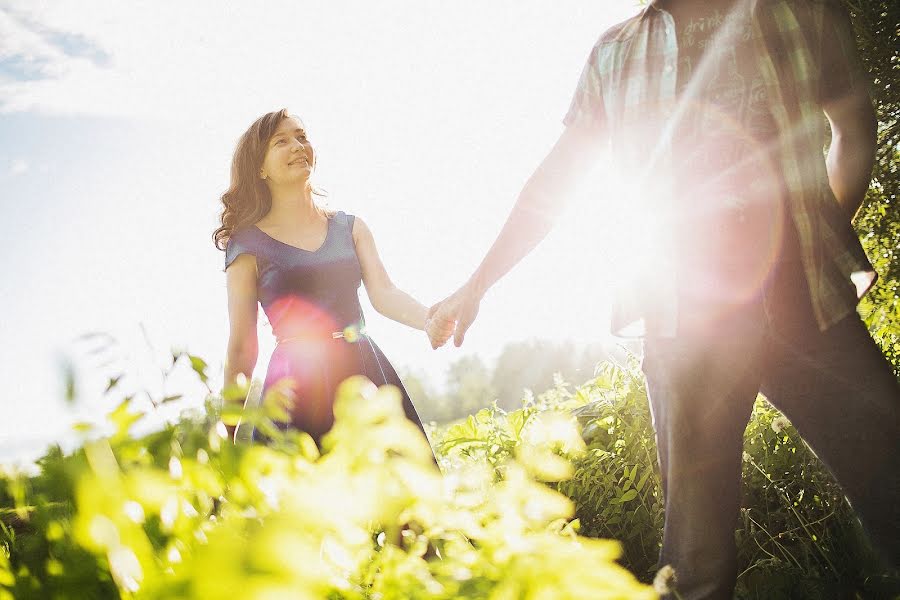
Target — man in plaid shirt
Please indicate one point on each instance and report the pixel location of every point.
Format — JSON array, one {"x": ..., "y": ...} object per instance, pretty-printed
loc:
[{"x": 715, "y": 112}]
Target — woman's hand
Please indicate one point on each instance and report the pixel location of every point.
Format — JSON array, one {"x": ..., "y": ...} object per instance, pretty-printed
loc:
[{"x": 438, "y": 329}]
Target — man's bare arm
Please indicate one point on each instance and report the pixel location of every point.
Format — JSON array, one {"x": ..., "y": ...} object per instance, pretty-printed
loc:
[
  {"x": 542, "y": 199},
  {"x": 852, "y": 152}
]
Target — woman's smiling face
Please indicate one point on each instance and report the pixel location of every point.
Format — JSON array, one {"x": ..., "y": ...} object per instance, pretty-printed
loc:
[{"x": 289, "y": 155}]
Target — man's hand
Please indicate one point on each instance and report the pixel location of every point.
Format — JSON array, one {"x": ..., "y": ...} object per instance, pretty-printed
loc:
[{"x": 467, "y": 310}]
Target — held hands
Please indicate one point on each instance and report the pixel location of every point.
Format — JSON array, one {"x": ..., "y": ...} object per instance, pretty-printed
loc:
[
  {"x": 439, "y": 327},
  {"x": 452, "y": 316}
]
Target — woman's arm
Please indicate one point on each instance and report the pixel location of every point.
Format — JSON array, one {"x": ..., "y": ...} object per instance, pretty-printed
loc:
[
  {"x": 386, "y": 298},
  {"x": 243, "y": 343}
]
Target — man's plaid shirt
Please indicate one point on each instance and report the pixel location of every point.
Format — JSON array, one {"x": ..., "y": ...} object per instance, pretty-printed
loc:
[{"x": 806, "y": 54}]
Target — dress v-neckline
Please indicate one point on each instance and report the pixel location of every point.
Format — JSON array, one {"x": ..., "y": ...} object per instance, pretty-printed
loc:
[{"x": 325, "y": 241}]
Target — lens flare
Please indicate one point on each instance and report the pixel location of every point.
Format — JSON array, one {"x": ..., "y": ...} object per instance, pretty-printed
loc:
[
  {"x": 293, "y": 316},
  {"x": 307, "y": 358},
  {"x": 732, "y": 212}
]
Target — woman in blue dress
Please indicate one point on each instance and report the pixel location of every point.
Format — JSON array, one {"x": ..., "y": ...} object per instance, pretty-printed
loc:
[{"x": 303, "y": 264}]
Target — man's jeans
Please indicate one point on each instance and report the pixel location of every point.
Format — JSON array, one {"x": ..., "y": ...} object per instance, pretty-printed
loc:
[{"x": 836, "y": 388}]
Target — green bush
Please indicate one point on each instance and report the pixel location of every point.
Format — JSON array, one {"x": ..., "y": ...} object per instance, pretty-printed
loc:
[
  {"x": 524, "y": 497},
  {"x": 797, "y": 536},
  {"x": 184, "y": 513}
]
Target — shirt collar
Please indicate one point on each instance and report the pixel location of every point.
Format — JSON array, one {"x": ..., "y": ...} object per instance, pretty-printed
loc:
[
  {"x": 652, "y": 7},
  {"x": 659, "y": 6}
]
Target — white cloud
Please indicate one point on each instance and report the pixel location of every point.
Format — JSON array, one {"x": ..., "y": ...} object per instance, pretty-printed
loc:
[
  {"x": 169, "y": 60},
  {"x": 20, "y": 41},
  {"x": 164, "y": 59},
  {"x": 18, "y": 167}
]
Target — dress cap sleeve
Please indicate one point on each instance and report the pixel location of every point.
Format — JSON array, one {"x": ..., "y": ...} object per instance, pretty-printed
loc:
[{"x": 238, "y": 243}]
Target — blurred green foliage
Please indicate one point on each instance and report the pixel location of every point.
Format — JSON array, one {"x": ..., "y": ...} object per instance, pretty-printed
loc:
[
  {"x": 797, "y": 536},
  {"x": 186, "y": 513},
  {"x": 472, "y": 384},
  {"x": 877, "y": 26}
]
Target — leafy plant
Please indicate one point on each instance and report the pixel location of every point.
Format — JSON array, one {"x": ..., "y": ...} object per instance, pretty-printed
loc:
[
  {"x": 185, "y": 513},
  {"x": 797, "y": 536}
]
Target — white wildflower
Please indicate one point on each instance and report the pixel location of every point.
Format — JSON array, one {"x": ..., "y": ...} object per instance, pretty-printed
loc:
[
  {"x": 664, "y": 582},
  {"x": 780, "y": 423}
]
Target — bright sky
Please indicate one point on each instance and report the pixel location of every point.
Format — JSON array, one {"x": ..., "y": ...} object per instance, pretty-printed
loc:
[{"x": 117, "y": 126}]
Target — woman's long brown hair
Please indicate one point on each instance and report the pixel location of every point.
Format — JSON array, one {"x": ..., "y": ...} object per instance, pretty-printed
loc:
[{"x": 247, "y": 199}]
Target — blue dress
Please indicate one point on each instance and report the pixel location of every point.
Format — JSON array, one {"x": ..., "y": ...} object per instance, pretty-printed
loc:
[{"x": 310, "y": 297}]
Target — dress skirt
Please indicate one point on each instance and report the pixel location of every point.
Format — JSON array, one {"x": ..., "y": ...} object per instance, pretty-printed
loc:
[{"x": 317, "y": 368}]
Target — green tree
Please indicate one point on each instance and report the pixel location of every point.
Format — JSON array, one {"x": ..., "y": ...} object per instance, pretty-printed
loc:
[
  {"x": 469, "y": 386},
  {"x": 468, "y": 389},
  {"x": 533, "y": 364},
  {"x": 877, "y": 26},
  {"x": 420, "y": 392}
]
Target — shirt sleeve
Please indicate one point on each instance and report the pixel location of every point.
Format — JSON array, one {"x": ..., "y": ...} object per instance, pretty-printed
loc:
[
  {"x": 841, "y": 68},
  {"x": 237, "y": 245},
  {"x": 586, "y": 108}
]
